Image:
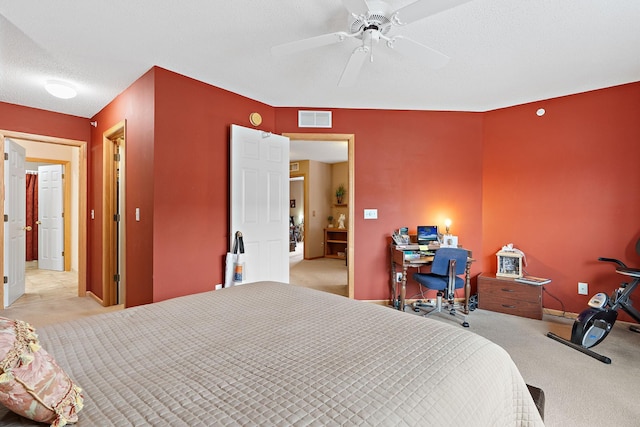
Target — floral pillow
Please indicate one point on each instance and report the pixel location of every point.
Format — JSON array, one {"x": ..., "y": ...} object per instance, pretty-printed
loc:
[{"x": 31, "y": 382}]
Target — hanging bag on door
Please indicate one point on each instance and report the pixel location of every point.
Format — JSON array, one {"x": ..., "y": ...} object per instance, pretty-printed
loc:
[
  {"x": 235, "y": 273},
  {"x": 239, "y": 272}
]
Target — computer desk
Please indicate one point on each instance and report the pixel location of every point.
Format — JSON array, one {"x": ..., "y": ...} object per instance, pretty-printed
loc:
[{"x": 398, "y": 261}]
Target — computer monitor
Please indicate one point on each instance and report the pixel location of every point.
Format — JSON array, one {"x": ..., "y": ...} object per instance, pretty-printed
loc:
[{"x": 427, "y": 234}]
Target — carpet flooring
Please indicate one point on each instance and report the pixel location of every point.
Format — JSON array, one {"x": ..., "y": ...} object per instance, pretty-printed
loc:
[
  {"x": 579, "y": 390},
  {"x": 323, "y": 274}
]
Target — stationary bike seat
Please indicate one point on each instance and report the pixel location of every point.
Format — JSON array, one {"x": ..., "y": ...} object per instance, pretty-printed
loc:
[{"x": 633, "y": 272}]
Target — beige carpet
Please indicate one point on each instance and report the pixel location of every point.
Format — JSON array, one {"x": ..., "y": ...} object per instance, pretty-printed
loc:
[
  {"x": 323, "y": 274},
  {"x": 51, "y": 297},
  {"x": 579, "y": 390}
]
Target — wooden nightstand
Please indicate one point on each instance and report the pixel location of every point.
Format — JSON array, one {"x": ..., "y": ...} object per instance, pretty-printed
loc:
[{"x": 508, "y": 296}]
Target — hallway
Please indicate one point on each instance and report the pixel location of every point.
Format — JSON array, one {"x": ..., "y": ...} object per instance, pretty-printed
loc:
[
  {"x": 51, "y": 297},
  {"x": 323, "y": 274}
]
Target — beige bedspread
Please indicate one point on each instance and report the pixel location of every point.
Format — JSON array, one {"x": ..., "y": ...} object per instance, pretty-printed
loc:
[{"x": 275, "y": 354}]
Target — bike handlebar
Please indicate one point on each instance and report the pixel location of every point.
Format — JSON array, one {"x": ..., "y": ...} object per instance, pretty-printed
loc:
[{"x": 615, "y": 261}]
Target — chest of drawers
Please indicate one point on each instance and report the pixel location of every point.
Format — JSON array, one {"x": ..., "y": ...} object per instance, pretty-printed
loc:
[{"x": 508, "y": 296}]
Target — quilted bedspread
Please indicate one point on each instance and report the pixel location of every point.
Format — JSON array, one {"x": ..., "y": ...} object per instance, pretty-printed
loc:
[{"x": 273, "y": 354}]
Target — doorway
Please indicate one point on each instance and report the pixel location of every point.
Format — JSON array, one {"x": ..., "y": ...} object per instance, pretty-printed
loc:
[
  {"x": 113, "y": 221},
  {"x": 350, "y": 138},
  {"x": 78, "y": 240},
  {"x": 51, "y": 269}
]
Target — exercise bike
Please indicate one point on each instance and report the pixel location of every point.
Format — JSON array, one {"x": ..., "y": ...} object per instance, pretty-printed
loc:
[{"x": 594, "y": 323}]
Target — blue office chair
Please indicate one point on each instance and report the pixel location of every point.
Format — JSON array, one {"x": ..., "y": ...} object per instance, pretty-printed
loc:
[{"x": 448, "y": 264}]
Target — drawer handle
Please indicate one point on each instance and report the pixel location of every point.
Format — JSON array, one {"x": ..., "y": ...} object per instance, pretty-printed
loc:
[
  {"x": 508, "y": 306},
  {"x": 507, "y": 290}
]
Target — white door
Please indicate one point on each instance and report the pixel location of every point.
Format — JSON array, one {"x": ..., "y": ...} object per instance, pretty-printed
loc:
[
  {"x": 260, "y": 202},
  {"x": 15, "y": 207},
  {"x": 51, "y": 225}
]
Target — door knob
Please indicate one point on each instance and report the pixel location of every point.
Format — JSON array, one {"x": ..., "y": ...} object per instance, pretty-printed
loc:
[
  {"x": 38, "y": 222},
  {"x": 28, "y": 228}
]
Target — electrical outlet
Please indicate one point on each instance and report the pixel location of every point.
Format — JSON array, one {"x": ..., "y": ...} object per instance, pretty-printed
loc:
[
  {"x": 583, "y": 288},
  {"x": 398, "y": 277}
]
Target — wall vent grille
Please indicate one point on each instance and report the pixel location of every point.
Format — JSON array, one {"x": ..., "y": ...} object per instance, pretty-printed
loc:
[{"x": 314, "y": 119}]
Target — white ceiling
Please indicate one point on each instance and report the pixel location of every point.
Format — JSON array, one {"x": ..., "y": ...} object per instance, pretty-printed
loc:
[{"x": 503, "y": 52}]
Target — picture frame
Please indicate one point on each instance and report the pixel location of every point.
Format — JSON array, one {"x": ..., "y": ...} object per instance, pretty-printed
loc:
[
  {"x": 509, "y": 264},
  {"x": 449, "y": 241}
]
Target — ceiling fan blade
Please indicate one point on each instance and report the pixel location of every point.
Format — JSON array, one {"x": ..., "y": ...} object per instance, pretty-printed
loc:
[
  {"x": 422, "y": 8},
  {"x": 310, "y": 43},
  {"x": 413, "y": 49},
  {"x": 357, "y": 7},
  {"x": 351, "y": 71}
]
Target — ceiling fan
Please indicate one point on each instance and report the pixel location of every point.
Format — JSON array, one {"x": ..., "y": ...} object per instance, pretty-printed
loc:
[{"x": 371, "y": 21}]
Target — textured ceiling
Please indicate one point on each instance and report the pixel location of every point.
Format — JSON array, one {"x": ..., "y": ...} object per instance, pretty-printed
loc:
[{"x": 503, "y": 52}]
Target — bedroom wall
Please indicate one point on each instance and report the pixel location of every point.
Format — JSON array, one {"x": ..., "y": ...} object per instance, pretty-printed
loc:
[
  {"x": 415, "y": 167},
  {"x": 177, "y": 138},
  {"x": 564, "y": 189},
  {"x": 191, "y": 180},
  {"x": 135, "y": 105},
  {"x": 40, "y": 122}
]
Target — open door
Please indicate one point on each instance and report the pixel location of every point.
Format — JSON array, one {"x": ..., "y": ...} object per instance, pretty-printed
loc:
[
  {"x": 260, "y": 201},
  {"x": 50, "y": 218},
  {"x": 15, "y": 221}
]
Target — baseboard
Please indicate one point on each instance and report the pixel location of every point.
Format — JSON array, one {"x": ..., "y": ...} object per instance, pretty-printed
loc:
[
  {"x": 559, "y": 313},
  {"x": 95, "y": 297},
  {"x": 549, "y": 311}
]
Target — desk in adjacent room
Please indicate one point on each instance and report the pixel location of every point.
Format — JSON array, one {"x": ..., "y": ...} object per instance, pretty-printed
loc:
[{"x": 398, "y": 260}]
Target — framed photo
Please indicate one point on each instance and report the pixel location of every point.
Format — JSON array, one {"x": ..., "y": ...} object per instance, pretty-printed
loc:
[
  {"x": 292, "y": 203},
  {"x": 449, "y": 241},
  {"x": 509, "y": 264}
]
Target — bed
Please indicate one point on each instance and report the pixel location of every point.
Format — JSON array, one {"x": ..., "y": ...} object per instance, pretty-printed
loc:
[{"x": 270, "y": 353}]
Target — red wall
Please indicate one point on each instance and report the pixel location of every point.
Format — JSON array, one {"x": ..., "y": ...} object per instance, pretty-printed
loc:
[
  {"x": 17, "y": 118},
  {"x": 564, "y": 188},
  {"x": 136, "y": 106},
  {"x": 191, "y": 181},
  {"x": 415, "y": 167}
]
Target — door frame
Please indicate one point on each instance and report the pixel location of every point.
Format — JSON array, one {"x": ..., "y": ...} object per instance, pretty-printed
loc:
[
  {"x": 113, "y": 256},
  {"x": 351, "y": 142},
  {"x": 82, "y": 202}
]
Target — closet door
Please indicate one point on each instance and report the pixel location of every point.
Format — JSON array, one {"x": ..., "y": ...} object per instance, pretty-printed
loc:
[{"x": 50, "y": 215}]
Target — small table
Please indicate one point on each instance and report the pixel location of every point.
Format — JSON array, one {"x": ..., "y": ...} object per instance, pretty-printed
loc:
[{"x": 398, "y": 261}]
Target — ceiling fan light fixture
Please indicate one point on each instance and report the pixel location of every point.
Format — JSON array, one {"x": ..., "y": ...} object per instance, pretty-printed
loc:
[{"x": 60, "y": 89}]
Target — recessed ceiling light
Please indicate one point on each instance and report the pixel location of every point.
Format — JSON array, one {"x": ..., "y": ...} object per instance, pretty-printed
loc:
[
  {"x": 540, "y": 112},
  {"x": 60, "y": 89}
]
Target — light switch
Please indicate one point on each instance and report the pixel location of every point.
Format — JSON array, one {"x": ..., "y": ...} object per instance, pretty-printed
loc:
[
  {"x": 371, "y": 214},
  {"x": 137, "y": 214},
  {"x": 93, "y": 214}
]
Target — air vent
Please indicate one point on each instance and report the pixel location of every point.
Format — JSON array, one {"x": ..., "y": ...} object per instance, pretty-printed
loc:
[{"x": 314, "y": 119}]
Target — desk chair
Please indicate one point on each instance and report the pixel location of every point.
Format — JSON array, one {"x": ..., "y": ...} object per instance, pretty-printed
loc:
[{"x": 448, "y": 264}]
